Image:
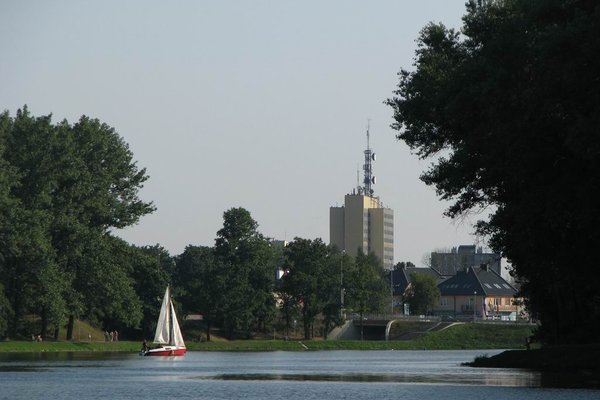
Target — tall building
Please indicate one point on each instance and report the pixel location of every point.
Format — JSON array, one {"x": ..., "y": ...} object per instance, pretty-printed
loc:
[{"x": 363, "y": 222}]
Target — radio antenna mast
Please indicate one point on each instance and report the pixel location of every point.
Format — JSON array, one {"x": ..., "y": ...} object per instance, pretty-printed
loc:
[{"x": 369, "y": 179}]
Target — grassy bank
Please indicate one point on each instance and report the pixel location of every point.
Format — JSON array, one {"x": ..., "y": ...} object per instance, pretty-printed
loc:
[
  {"x": 50, "y": 346},
  {"x": 465, "y": 336},
  {"x": 476, "y": 336}
]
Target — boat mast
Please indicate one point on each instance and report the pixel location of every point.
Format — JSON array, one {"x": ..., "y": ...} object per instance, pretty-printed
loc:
[{"x": 171, "y": 326}]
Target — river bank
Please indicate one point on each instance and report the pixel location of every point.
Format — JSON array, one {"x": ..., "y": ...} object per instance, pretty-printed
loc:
[
  {"x": 233, "y": 346},
  {"x": 459, "y": 337}
]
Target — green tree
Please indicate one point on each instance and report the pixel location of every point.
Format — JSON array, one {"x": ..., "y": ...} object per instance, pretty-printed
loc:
[
  {"x": 69, "y": 186},
  {"x": 249, "y": 269},
  {"x": 152, "y": 269},
  {"x": 200, "y": 281},
  {"x": 25, "y": 245},
  {"x": 104, "y": 196},
  {"x": 366, "y": 286},
  {"x": 6, "y": 204},
  {"x": 309, "y": 280},
  {"x": 49, "y": 301},
  {"x": 106, "y": 280},
  {"x": 422, "y": 294},
  {"x": 332, "y": 290},
  {"x": 510, "y": 108},
  {"x": 5, "y": 312}
]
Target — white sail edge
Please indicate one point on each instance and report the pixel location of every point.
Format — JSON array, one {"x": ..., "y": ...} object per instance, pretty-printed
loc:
[
  {"x": 162, "y": 328},
  {"x": 177, "y": 336}
]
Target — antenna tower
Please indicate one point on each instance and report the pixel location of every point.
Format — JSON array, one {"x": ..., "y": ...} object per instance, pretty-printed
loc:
[{"x": 369, "y": 179}]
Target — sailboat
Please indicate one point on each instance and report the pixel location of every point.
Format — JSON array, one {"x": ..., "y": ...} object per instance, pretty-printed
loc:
[{"x": 168, "y": 336}]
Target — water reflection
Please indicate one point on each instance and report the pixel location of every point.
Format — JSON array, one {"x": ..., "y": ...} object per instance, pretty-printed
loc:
[
  {"x": 223, "y": 375},
  {"x": 522, "y": 379}
]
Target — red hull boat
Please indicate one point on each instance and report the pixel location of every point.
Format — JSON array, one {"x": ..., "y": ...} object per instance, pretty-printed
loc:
[
  {"x": 166, "y": 351},
  {"x": 168, "y": 339}
]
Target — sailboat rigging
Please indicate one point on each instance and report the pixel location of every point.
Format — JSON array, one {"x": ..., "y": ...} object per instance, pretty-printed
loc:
[{"x": 168, "y": 337}]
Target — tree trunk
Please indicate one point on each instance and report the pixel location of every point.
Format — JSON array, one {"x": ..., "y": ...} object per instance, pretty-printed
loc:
[
  {"x": 44, "y": 324},
  {"x": 70, "y": 327},
  {"x": 306, "y": 324},
  {"x": 208, "y": 331},
  {"x": 16, "y": 306},
  {"x": 361, "y": 327},
  {"x": 56, "y": 331}
]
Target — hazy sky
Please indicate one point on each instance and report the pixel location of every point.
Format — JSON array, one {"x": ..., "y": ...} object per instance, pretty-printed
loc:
[{"x": 255, "y": 104}]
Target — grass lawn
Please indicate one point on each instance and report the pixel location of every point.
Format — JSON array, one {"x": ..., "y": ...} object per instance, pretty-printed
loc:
[{"x": 462, "y": 336}]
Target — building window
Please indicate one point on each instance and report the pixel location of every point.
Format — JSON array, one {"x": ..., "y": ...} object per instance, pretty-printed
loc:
[{"x": 443, "y": 301}]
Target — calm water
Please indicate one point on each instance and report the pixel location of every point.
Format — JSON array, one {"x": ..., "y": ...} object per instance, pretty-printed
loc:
[{"x": 320, "y": 375}]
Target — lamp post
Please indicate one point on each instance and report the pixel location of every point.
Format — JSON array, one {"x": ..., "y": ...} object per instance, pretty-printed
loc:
[
  {"x": 392, "y": 288},
  {"x": 475, "y": 306},
  {"x": 342, "y": 284}
]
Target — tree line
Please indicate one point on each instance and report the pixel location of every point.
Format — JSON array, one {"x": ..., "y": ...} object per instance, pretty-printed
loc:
[
  {"x": 233, "y": 284},
  {"x": 65, "y": 188}
]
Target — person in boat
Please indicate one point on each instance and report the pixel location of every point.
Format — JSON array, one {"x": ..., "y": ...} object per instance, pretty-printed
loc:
[{"x": 145, "y": 347}]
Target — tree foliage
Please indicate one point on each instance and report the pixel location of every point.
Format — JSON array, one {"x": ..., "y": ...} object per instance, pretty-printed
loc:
[
  {"x": 422, "y": 293},
  {"x": 248, "y": 265},
  {"x": 200, "y": 281},
  {"x": 509, "y": 108},
  {"x": 366, "y": 286},
  {"x": 63, "y": 188},
  {"x": 309, "y": 279},
  {"x": 151, "y": 267}
]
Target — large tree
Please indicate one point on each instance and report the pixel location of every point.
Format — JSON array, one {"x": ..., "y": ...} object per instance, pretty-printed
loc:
[
  {"x": 366, "y": 286},
  {"x": 422, "y": 294},
  {"x": 249, "y": 269},
  {"x": 152, "y": 268},
  {"x": 309, "y": 279},
  {"x": 200, "y": 282},
  {"x": 26, "y": 183},
  {"x": 509, "y": 109},
  {"x": 69, "y": 186}
]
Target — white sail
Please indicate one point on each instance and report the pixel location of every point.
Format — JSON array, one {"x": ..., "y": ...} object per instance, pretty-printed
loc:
[
  {"x": 177, "y": 337},
  {"x": 163, "y": 328}
]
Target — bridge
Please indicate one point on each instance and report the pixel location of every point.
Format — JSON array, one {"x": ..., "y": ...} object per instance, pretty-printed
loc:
[{"x": 379, "y": 327}]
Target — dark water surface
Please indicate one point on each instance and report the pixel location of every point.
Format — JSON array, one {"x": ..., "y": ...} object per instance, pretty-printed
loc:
[{"x": 319, "y": 375}]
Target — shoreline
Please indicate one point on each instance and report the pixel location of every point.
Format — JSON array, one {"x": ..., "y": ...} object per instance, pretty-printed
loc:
[
  {"x": 234, "y": 345},
  {"x": 551, "y": 359}
]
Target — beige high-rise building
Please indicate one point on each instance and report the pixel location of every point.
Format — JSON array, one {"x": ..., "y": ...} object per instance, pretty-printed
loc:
[{"x": 363, "y": 222}]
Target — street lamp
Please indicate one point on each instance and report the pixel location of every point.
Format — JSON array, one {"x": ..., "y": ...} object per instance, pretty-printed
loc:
[
  {"x": 474, "y": 306},
  {"x": 342, "y": 284},
  {"x": 392, "y": 288}
]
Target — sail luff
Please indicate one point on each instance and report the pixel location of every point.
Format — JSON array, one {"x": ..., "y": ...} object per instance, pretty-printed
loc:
[{"x": 162, "y": 328}]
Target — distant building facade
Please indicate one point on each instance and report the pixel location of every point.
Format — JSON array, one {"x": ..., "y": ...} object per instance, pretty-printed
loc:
[
  {"x": 464, "y": 257},
  {"x": 363, "y": 223},
  {"x": 473, "y": 293},
  {"x": 480, "y": 293}
]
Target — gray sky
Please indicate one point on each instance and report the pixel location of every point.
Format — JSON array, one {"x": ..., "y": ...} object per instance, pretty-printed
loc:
[{"x": 254, "y": 104}]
